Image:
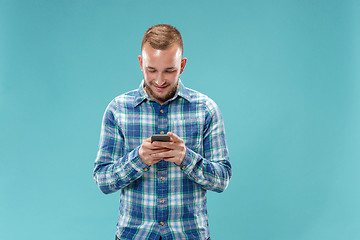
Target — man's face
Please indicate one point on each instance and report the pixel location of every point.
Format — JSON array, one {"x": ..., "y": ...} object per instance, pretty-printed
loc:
[{"x": 161, "y": 69}]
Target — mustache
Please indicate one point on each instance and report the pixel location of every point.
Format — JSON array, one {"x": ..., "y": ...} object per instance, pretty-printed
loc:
[{"x": 157, "y": 85}]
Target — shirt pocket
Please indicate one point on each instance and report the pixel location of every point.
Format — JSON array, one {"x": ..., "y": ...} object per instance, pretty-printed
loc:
[{"x": 190, "y": 130}]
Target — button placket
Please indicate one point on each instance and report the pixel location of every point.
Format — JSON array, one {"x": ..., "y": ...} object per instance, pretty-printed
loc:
[
  {"x": 162, "y": 124},
  {"x": 162, "y": 168}
]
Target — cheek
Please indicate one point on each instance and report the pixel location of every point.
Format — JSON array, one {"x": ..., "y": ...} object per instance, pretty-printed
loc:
[
  {"x": 174, "y": 76},
  {"x": 147, "y": 75}
]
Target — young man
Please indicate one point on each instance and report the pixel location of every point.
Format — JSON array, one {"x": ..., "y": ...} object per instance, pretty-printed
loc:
[{"x": 162, "y": 184}]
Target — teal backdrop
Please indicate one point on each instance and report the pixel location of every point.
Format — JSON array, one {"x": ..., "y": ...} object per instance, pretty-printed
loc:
[{"x": 285, "y": 73}]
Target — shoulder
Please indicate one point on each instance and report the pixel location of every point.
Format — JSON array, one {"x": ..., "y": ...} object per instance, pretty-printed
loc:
[
  {"x": 122, "y": 101},
  {"x": 125, "y": 98},
  {"x": 196, "y": 97}
]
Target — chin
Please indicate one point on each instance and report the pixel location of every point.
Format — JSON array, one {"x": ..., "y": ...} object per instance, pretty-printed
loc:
[{"x": 160, "y": 96}]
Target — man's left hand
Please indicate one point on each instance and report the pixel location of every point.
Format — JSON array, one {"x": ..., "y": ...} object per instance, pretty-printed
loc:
[{"x": 176, "y": 149}]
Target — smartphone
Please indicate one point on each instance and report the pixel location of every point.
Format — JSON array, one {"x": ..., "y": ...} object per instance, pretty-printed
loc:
[{"x": 160, "y": 138}]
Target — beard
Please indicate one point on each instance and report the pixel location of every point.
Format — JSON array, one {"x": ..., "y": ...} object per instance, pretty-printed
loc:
[{"x": 155, "y": 96}]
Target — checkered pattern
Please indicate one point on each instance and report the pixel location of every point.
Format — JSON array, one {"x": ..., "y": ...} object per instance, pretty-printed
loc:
[{"x": 164, "y": 199}]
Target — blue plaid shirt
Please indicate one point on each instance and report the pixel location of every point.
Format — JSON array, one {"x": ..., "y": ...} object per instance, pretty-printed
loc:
[{"x": 164, "y": 199}]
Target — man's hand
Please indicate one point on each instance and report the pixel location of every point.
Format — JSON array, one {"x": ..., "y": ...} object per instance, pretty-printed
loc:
[
  {"x": 173, "y": 151},
  {"x": 146, "y": 151}
]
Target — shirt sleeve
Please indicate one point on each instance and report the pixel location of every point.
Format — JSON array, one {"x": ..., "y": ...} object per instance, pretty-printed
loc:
[
  {"x": 115, "y": 168},
  {"x": 212, "y": 170}
]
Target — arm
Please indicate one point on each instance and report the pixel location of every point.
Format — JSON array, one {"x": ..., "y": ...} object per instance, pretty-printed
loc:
[
  {"x": 212, "y": 170},
  {"x": 115, "y": 168}
]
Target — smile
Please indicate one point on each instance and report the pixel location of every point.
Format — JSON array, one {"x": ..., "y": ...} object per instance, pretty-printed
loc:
[{"x": 160, "y": 88}]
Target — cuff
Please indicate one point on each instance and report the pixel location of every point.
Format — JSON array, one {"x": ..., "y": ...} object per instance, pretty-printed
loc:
[
  {"x": 189, "y": 161},
  {"x": 136, "y": 161}
]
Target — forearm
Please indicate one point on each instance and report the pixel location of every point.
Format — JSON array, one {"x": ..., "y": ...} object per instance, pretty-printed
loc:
[
  {"x": 112, "y": 174},
  {"x": 213, "y": 175}
]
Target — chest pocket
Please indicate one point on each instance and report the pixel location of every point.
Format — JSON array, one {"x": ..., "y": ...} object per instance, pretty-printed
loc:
[{"x": 190, "y": 129}]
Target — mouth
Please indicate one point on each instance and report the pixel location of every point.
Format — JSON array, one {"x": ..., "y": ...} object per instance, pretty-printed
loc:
[{"x": 162, "y": 88}]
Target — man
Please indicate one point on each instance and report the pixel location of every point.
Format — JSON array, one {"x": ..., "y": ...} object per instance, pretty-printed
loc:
[{"x": 162, "y": 184}]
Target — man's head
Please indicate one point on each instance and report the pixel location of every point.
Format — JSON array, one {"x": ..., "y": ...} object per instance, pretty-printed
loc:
[
  {"x": 161, "y": 37},
  {"x": 161, "y": 61}
]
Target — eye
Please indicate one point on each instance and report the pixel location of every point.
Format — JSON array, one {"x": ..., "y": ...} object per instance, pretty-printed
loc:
[
  {"x": 151, "y": 70},
  {"x": 170, "y": 71}
]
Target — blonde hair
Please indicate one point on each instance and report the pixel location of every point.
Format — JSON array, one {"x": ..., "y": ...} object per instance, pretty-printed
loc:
[{"x": 162, "y": 36}]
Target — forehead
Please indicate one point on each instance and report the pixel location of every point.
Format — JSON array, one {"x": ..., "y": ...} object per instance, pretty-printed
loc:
[{"x": 172, "y": 54}]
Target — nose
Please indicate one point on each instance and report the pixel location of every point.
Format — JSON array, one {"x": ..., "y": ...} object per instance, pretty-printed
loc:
[{"x": 160, "y": 80}]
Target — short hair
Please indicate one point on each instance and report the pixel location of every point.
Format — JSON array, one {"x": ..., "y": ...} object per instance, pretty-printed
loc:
[{"x": 162, "y": 36}]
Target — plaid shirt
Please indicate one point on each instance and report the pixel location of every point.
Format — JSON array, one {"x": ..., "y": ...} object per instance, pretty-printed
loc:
[{"x": 163, "y": 199}]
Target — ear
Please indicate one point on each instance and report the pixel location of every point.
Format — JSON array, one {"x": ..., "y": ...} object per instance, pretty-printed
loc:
[
  {"x": 140, "y": 62},
  {"x": 183, "y": 63}
]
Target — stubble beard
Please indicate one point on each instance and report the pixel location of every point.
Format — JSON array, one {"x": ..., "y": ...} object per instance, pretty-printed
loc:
[{"x": 154, "y": 96}]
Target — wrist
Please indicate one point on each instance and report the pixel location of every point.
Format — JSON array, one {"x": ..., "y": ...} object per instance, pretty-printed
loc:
[{"x": 183, "y": 153}]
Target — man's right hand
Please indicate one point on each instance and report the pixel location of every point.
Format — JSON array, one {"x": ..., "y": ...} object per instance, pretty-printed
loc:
[{"x": 147, "y": 149}]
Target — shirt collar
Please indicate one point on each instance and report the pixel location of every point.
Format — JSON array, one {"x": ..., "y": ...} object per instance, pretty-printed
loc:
[
  {"x": 142, "y": 95},
  {"x": 183, "y": 91}
]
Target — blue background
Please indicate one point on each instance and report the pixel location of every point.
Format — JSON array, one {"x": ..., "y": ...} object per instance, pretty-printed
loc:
[{"x": 285, "y": 74}]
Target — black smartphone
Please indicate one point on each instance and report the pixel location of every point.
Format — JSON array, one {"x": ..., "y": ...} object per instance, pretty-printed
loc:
[{"x": 160, "y": 138}]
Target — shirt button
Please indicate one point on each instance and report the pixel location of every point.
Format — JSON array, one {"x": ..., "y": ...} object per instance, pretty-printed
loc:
[
  {"x": 162, "y": 201},
  {"x": 162, "y": 223},
  {"x": 162, "y": 132},
  {"x": 162, "y": 111},
  {"x": 183, "y": 167},
  {"x": 146, "y": 169},
  {"x": 162, "y": 178}
]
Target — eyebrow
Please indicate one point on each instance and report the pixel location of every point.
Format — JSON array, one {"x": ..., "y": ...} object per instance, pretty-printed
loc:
[{"x": 169, "y": 68}]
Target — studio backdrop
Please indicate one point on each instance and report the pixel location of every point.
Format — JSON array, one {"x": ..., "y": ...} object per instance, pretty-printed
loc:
[{"x": 285, "y": 75}]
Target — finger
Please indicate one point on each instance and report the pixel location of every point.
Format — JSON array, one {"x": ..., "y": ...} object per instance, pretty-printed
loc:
[
  {"x": 153, "y": 145},
  {"x": 174, "y": 137},
  {"x": 153, "y": 155},
  {"x": 163, "y": 144},
  {"x": 164, "y": 154},
  {"x": 146, "y": 143},
  {"x": 159, "y": 151}
]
